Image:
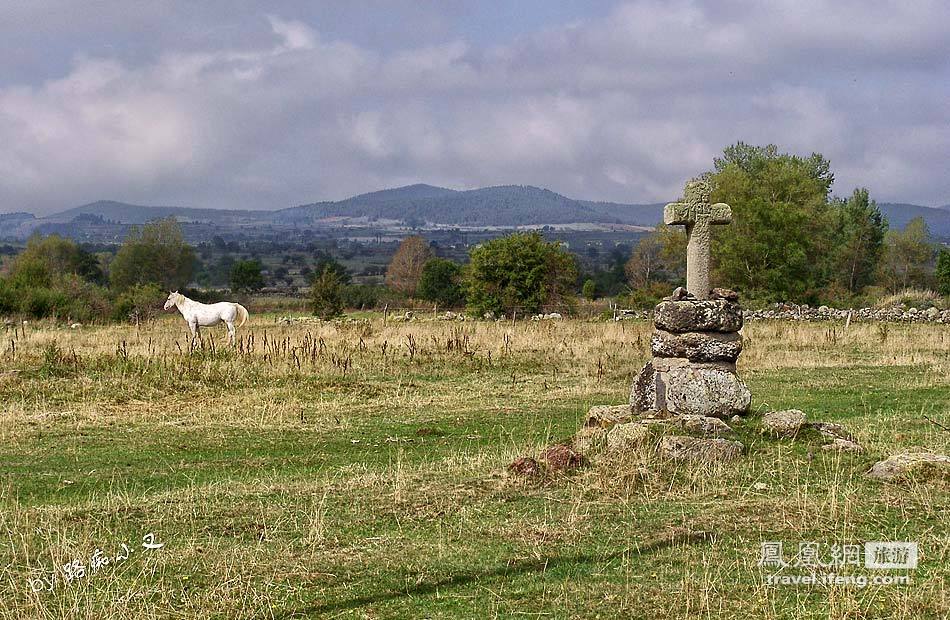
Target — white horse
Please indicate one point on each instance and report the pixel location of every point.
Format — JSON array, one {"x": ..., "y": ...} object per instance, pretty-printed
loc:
[{"x": 198, "y": 315}]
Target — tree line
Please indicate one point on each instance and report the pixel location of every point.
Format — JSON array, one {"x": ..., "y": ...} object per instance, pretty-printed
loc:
[{"x": 790, "y": 240}]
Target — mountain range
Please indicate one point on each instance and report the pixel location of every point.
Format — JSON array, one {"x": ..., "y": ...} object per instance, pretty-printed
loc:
[{"x": 505, "y": 206}]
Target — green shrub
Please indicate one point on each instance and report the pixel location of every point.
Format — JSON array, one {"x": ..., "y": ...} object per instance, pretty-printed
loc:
[
  {"x": 520, "y": 272},
  {"x": 326, "y": 294},
  {"x": 439, "y": 283},
  {"x": 139, "y": 303}
]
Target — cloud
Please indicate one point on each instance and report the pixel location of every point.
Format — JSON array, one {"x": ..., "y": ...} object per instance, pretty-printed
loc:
[{"x": 620, "y": 106}]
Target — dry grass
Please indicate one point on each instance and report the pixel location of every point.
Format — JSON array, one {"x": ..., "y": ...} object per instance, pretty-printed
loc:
[{"x": 358, "y": 470}]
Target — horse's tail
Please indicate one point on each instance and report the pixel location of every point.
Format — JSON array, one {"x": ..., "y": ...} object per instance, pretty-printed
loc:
[{"x": 242, "y": 312}]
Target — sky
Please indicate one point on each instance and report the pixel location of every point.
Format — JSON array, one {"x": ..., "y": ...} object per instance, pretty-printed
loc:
[{"x": 240, "y": 104}]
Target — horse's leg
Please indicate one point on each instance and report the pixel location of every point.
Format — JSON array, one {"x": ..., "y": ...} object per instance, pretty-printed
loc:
[{"x": 230, "y": 326}]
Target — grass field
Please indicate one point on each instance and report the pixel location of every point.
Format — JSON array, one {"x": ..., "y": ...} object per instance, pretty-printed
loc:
[{"x": 358, "y": 470}]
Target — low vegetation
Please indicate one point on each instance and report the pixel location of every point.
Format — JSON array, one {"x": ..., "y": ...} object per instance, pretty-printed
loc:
[{"x": 358, "y": 469}]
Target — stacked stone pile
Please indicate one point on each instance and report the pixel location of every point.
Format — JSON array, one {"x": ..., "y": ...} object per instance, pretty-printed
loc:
[{"x": 693, "y": 369}]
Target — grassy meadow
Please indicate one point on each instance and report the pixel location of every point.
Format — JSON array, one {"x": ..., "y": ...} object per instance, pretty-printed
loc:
[{"x": 359, "y": 470}]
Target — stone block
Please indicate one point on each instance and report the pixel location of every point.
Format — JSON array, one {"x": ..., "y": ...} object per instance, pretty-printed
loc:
[
  {"x": 710, "y": 315},
  {"x": 693, "y": 449},
  {"x": 702, "y": 391},
  {"x": 697, "y": 346}
]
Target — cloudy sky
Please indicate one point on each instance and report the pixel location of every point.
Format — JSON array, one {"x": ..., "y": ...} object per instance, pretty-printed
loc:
[{"x": 232, "y": 103}]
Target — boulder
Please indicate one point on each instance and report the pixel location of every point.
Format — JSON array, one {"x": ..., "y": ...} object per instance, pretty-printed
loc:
[
  {"x": 724, "y": 293},
  {"x": 626, "y": 436},
  {"x": 605, "y": 416},
  {"x": 832, "y": 430},
  {"x": 643, "y": 391},
  {"x": 905, "y": 463},
  {"x": 843, "y": 445},
  {"x": 526, "y": 466},
  {"x": 679, "y": 294},
  {"x": 709, "y": 315},
  {"x": 702, "y": 425},
  {"x": 561, "y": 458},
  {"x": 785, "y": 424},
  {"x": 693, "y": 449},
  {"x": 590, "y": 439},
  {"x": 702, "y": 391},
  {"x": 697, "y": 346}
]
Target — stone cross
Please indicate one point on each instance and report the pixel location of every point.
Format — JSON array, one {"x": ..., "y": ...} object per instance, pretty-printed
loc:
[{"x": 697, "y": 215}]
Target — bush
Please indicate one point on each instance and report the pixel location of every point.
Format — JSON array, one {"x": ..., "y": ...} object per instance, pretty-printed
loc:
[
  {"x": 646, "y": 297},
  {"x": 942, "y": 272},
  {"x": 246, "y": 276},
  {"x": 521, "y": 272},
  {"x": 918, "y": 298},
  {"x": 439, "y": 283},
  {"x": 9, "y": 299},
  {"x": 589, "y": 289},
  {"x": 139, "y": 303},
  {"x": 363, "y": 296},
  {"x": 326, "y": 295}
]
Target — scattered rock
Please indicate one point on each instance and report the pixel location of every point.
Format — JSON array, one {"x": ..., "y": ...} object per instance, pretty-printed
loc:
[
  {"x": 724, "y": 293},
  {"x": 606, "y": 416},
  {"x": 561, "y": 458},
  {"x": 735, "y": 419},
  {"x": 703, "y": 425},
  {"x": 525, "y": 466},
  {"x": 679, "y": 294},
  {"x": 590, "y": 439},
  {"x": 75, "y": 326},
  {"x": 693, "y": 449},
  {"x": 904, "y": 463},
  {"x": 710, "y": 315},
  {"x": 832, "y": 430},
  {"x": 785, "y": 424},
  {"x": 760, "y": 486},
  {"x": 843, "y": 445},
  {"x": 626, "y": 436}
]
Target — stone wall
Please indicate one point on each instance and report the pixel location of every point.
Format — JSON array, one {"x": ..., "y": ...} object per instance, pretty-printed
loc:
[{"x": 794, "y": 312}]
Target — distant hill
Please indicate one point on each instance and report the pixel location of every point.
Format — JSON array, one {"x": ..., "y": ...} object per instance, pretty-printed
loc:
[
  {"x": 126, "y": 213},
  {"x": 937, "y": 218},
  {"x": 506, "y": 205}
]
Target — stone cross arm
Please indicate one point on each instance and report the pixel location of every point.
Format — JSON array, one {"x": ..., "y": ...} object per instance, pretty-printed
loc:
[
  {"x": 697, "y": 215},
  {"x": 687, "y": 214}
]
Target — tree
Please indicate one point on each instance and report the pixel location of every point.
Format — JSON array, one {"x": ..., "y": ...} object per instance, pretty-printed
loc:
[
  {"x": 519, "y": 272},
  {"x": 858, "y": 228},
  {"x": 439, "y": 283},
  {"x": 658, "y": 257},
  {"x": 157, "y": 254},
  {"x": 780, "y": 222},
  {"x": 908, "y": 256},
  {"x": 644, "y": 262},
  {"x": 246, "y": 276},
  {"x": 326, "y": 261},
  {"x": 326, "y": 295},
  {"x": 47, "y": 258},
  {"x": 942, "y": 272},
  {"x": 589, "y": 289},
  {"x": 407, "y": 263}
]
